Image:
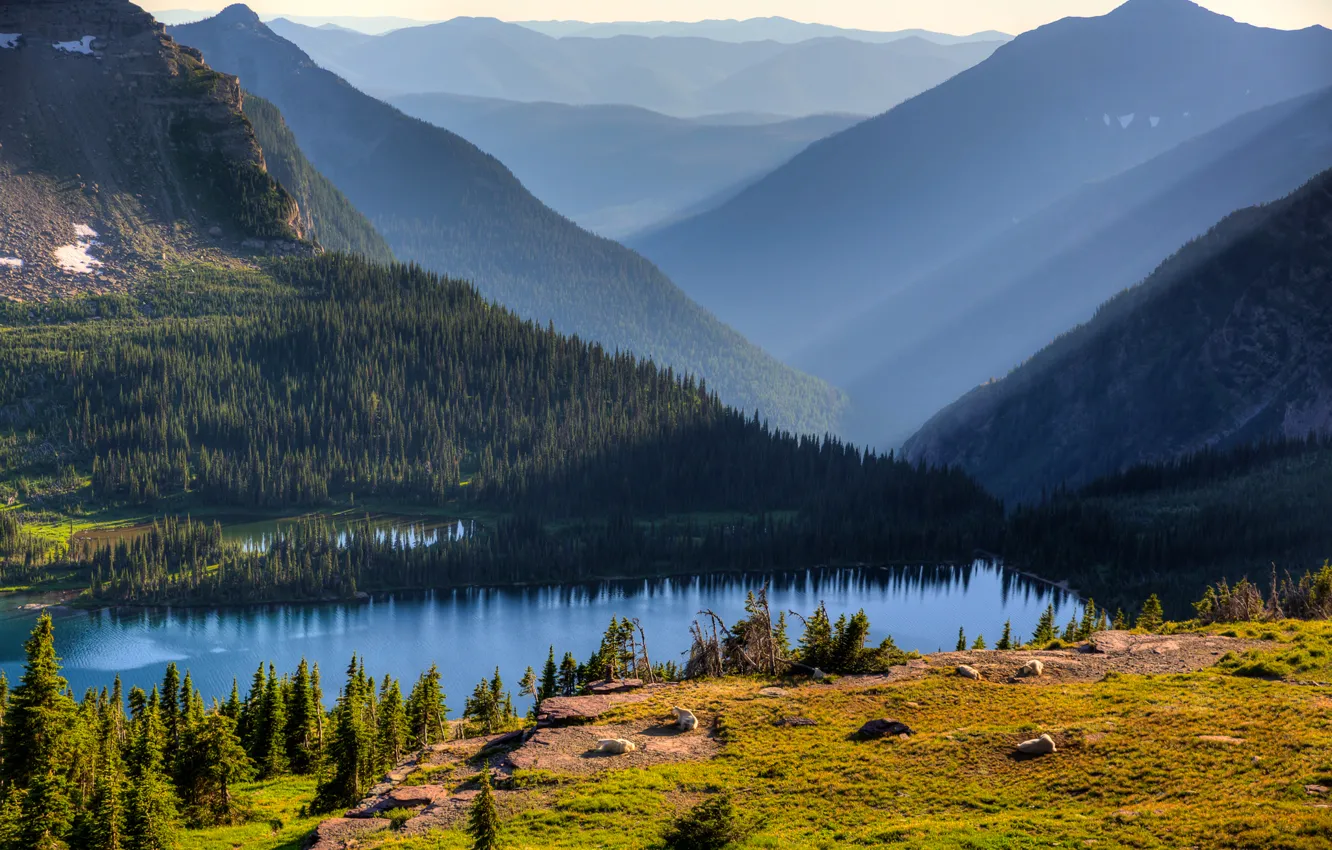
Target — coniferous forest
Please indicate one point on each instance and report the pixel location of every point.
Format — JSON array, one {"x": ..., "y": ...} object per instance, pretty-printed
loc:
[{"x": 331, "y": 378}]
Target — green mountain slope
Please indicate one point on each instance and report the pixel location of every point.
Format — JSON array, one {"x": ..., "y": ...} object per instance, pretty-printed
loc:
[
  {"x": 1229, "y": 341},
  {"x": 327, "y": 214},
  {"x": 441, "y": 202}
]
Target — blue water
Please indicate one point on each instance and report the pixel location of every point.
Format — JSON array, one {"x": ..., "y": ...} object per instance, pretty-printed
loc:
[{"x": 469, "y": 632}]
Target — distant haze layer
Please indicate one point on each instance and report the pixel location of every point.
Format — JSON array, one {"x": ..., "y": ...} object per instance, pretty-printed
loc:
[{"x": 950, "y": 16}]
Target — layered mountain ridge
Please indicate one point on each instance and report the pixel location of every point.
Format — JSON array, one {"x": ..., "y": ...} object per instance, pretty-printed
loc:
[
  {"x": 441, "y": 202},
  {"x": 1228, "y": 342}
]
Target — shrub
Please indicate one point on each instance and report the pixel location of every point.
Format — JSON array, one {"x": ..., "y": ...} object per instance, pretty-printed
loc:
[{"x": 711, "y": 825}]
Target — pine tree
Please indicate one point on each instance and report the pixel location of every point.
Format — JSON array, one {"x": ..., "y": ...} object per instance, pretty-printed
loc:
[
  {"x": 816, "y": 642},
  {"x": 150, "y": 808},
  {"x": 527, "y": 686},
  {"x": 300, "y": 731},
  {"x": 1088, "y": 624},
  {"x": 393, "y": 727},
  {"x": 1070, "y": 631},
  {"x": 849, "y": 643},
  {"x": 224, "y": 765},
  {"x": 961, "y": 640},
  {"x": 1045, "y": 629},
  {"x": 980, "y": 642},
  {"x": 1121, "y": 622},
  {"x": 104, "y": 823},
  {"x": 568, "y": 675},
  {"x": 549, "y": 678},
  {"x": 232, "y": 707},
  {"x": 1152, "y": 617},
  {"x": 271, "y": 758},
  {"x": 483, "y": 817},
  {"x": 1103, "y": 621},
  {"x": 427, "y": 713},
  {"x": 1006, "y": 639},
  {"x": 171, "y": 716},
  {"x": 349, "y": 743},
  {"x": 37, "y": 745}
]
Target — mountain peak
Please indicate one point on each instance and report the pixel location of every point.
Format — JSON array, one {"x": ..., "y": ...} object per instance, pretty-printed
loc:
[
  {"x": 1149, "y": 10},
  {"x": 237, "y": 13}
]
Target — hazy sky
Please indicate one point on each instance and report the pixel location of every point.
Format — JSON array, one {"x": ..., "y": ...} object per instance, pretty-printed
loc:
[{"x": 957, "y": 16}]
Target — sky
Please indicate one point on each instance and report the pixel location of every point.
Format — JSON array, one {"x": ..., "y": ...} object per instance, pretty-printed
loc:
[{"x": 954, "y": 16}]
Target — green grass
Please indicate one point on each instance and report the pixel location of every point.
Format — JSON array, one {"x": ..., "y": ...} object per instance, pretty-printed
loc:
[
  {"x": 1131, "y": 771},
  {"x": 277, "y": 823}
]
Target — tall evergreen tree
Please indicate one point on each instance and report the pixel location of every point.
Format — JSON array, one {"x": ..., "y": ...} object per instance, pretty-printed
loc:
[
  {"x": 550, "y": 685},
  {"x": 37, "y": 747},
  {"x": 301, "y": 735},
  {"x": 225, "y": 765},
  {"x": 393, "y": 731},
  {"x": 151, "y": 816},
  {"x": 427, "y": 713},
  {"x": 816, "y": 642},
  {"x": 1006, "y": 639},
  {"x": 961, "y": 640},
  {"x": 568, "y": 675}
]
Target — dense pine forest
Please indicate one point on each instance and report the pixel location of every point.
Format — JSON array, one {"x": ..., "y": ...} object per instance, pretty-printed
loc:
[
  {"x": 1253, "y": 511},
  {"x": 334, "y": 379}
]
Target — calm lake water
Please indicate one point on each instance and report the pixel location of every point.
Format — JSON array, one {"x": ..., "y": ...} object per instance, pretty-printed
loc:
[{"x": 468, "y": 632}]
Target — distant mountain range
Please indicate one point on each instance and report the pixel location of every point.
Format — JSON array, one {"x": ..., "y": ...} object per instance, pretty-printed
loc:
[
  {"x": 618, "y": 169},
  {"x": 1228, "y": 342},
  {"x": 987, "y": 311},
  {"x": 795, "y": 258},
  {"x": 485, "y": 57},
  {"x": 784, "y": 30},
  {"x": 441, "y": 202}
]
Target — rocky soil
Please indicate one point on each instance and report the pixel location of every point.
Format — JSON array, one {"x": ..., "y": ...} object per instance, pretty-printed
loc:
[{"x": 104, "y": 124}]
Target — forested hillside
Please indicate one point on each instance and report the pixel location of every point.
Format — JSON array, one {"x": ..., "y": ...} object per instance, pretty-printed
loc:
[
  {"x": 334, "y": 380},
  {"x": 1254, "y": 511},
  {"x": 1228, "y": 342},
  {"x": 441, "y": 202},
  {"x": 327, "y": 214}
]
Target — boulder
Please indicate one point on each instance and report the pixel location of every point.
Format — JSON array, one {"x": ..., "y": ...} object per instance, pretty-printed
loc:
[
  {"x": 883, "y": 728},
  {"x": 966, "y": 671},
  {"x": 1034, "y": 667},
  {"x": 1041, "y": 746},
  {"x": 772, "y": 692}
]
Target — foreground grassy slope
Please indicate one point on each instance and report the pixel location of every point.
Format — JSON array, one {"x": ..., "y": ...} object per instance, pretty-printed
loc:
[{"x": 1133, "y": 768}]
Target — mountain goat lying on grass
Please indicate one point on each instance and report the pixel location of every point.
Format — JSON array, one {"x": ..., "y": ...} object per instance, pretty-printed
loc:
[
  {"x": 1034, "y": 667},
  {"x": 685, "y": 719},
  {"x": 615, "y": 746},
  {"x": 1037, "y": 746}
]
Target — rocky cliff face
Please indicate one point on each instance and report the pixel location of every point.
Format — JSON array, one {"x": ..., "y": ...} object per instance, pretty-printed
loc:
[
  {"x": 1228, "y": 342},
  {"x": 118, "y": 149}
]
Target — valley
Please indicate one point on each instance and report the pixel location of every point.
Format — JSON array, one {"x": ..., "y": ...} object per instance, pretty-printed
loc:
[{"x": 710, "y": 434}]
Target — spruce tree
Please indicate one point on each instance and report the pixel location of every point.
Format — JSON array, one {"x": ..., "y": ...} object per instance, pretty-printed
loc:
[
  {"x": 1045, "y": 629},
  {"x": 224, "y": 765},
  {"x": 393, "y": 731},
  {"x": 849, "y": 643},
  {"x": 150, "y": 807},
  {"x": 568, "y": 675},
  {"x": 1070, "y": 631},
  {"x": 349, "y": 743},
  {"x": 961, "y": 640},
  {"x": 1088, "y": 623},
  {"x": 271, "y": 758},
  {"x": 483, "y": 817},
  {"x": 1121, "y": 622},
  {"x": 980, "y": 642},
  {"x": 1152, "y": 617},
  {"x": 171, "y": 716},
  {"x": 816, "y": 642},
  {"x": 37, "y": 747},
  {"x": 300, "y": 732},
  {"x": 427, "y": 713},
  {"x": 549, "y": 678},
  {"x": 1006, "y": 639}
]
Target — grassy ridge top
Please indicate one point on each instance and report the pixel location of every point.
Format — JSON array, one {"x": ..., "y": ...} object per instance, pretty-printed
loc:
[{"x": 1215, "y": 758}]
